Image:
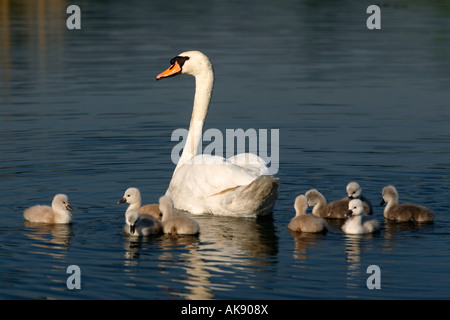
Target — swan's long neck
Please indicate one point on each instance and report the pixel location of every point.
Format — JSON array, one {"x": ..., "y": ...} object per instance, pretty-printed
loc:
[{"x": 204, "y": 83}]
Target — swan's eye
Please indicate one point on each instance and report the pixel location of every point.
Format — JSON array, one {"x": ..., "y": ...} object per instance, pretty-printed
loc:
[
  {"x": 129, "y": 195},
  {"x": 179, "y": 59}
]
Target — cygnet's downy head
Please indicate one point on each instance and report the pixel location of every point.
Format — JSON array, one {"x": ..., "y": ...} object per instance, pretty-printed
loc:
[
  {"x": 166, "y": 207},
  {"x": 389, "y": 193},
  {"x": 353, "y": 190},
  {"x": 355, "y": 208},
  {"x": 61, "y": 203},
  {"x": 132, "y": 217},
  {"x": 300, "y": 204},
  {"x": 313, "y": 196},
  {"x": 131, "y": 195}
]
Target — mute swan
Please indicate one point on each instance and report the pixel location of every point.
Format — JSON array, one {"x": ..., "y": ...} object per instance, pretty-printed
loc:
[
  {"x": 403, "y": 212},
  {"x": 357, "y": 223},
  {"x": 58, "y": 213},
  {"x": 136, "y": 225},
  {"x": 338, "y": 208},
  {"x": 133, "y": 197},
  {"x": 176, "y": 224},
  {"x": 212, "y": 184},
  {"x": 303, "y": 222}
]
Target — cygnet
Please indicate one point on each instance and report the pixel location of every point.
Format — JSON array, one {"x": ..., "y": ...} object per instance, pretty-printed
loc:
[
  {"x": 58, "y": 213},
  {"x": 303, "y": 222},
  {"x": 338, "y": 208},
  {"x": 405, "y": 211},
  {"x": 176, "y": 224},
  {"x": 133, "y": 197},
  {"x": 357, "y": 223},
  {"x": 136, "y": 225}
]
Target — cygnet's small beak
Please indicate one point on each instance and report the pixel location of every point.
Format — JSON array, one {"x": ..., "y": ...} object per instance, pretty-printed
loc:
[
  {"x": 123, "y": 200},
  {"x": 132, "y": 228},
  {"x": 173, "y": 70},
  {"x": 349, "y": 213},
  {"x": 69, "y": 207},
  {"x": 382, "y": 202}
]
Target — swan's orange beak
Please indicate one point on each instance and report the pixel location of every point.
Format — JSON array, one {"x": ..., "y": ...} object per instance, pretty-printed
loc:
[{"x": 173, "y": 70}]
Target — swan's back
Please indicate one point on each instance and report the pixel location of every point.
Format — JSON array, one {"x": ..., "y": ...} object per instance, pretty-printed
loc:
[
  {"x": 40, "y": 214},
  {"x": 150, "y": 209},
  {"x": 409, "y": 212},
  {"x": 308, "y": 223},
  {"x": 337, "y": 209}
]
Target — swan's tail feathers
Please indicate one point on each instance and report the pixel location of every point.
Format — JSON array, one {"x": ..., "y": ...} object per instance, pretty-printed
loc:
[{"x": 256, "y": 199}]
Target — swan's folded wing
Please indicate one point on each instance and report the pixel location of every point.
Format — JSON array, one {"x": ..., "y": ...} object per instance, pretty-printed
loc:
[
  {"x": 204, "y": 177},
  {"x": 251, "y": 163},
  {"x": 210, "y": 175}
]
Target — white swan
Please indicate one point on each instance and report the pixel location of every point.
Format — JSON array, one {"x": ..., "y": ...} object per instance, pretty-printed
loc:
[
  {"x": 136, "y": 225},
  {"x": 303, "y": 222},
  {"x": 58, "y": 213},
  {"x": 405, "y": 211},
  {"x": 357, "y": 223},
  {"x": 176, "y": 224},
  {"x": 133, "y": 197},
  {"x": 212, "y": 184}
]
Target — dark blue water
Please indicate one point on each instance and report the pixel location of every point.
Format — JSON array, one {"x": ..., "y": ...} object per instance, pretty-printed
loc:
[{"x": 81, "y": 113}]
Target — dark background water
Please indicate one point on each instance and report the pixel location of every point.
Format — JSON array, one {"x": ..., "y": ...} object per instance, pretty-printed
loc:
[{"x": 81, "y": 113}]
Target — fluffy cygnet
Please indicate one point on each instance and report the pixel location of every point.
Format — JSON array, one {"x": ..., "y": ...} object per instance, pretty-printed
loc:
[
  {"x": 58, "y": 213},
  {"x": 136, "y": 225},
  {"x": 317, "y": 200},
  {"x": 357, "y": 223},
  {"x": 338, "y": 208},
  {"x": 176, "y": 224},
  {"x": 133, "y": 197},
  {"x": 303, "y": 222},
  {"x": 403, "y": 212}
]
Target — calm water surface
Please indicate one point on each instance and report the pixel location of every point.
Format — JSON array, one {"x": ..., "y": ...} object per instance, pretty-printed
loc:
[{"x": 82, "y": 114}]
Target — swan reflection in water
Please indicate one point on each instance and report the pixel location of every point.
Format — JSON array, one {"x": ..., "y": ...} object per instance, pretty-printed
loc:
[
  {"x": 225, "y": 244},
  {"x": 49, "y": 239},
  {"x": 355, "y": 246}
]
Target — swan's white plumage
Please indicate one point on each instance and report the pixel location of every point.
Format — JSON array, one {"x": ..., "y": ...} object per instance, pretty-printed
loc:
[{"x": 238, "y": 186}]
